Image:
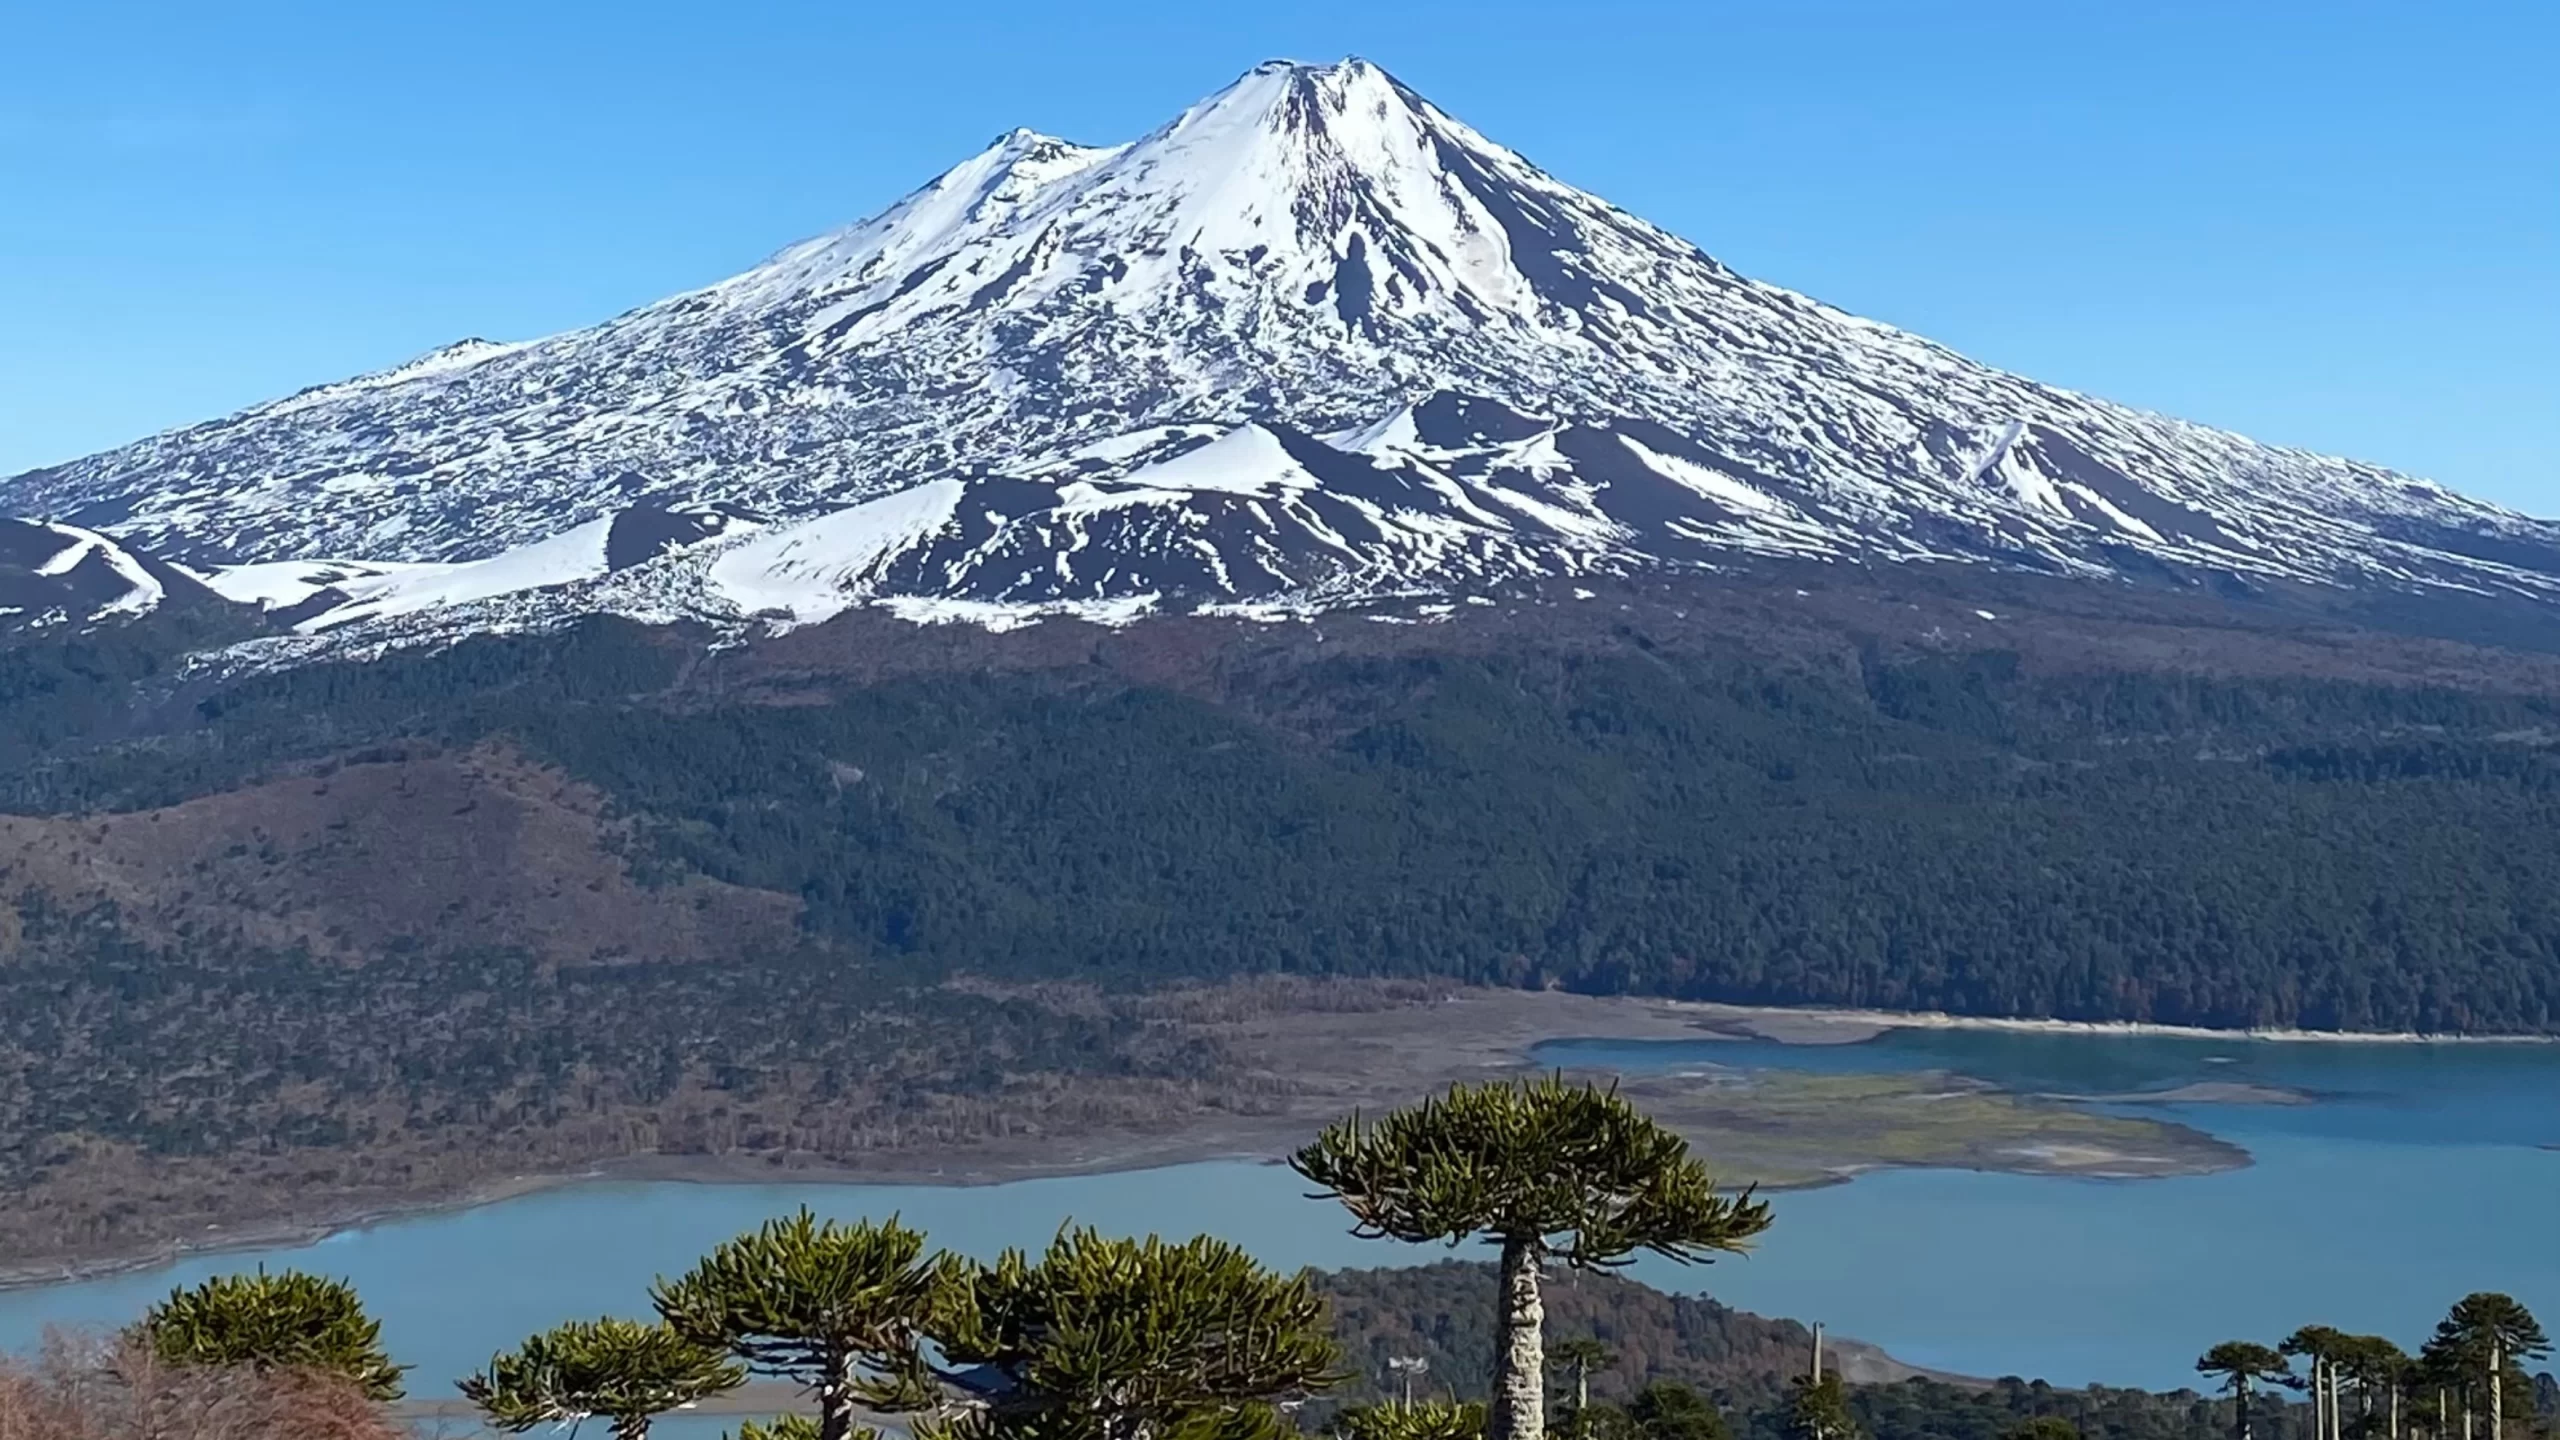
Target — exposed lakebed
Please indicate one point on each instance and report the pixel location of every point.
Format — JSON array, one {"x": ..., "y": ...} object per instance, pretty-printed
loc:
[{"x": 2414, "y": 1172}]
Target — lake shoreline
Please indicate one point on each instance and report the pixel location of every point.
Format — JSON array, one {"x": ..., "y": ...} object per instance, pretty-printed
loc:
[
  {"x": 708, "y": 1170},
  {"x": 739, "y": 1170},
  {"x": 1502, "y": 1034},
  {"x": 1816, "y": 1025},
  {"x": 1943, "y": 1253}
]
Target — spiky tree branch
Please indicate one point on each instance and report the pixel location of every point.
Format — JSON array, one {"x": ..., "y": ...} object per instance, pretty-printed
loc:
[
  {"x": 1429, "y": 1420},
  {"x": 1107, "y": 1339},
  {"x": 839, "y": 1308},
  {"x": 285, "y": 1321},
  {"x": 627, "y": 1372}
]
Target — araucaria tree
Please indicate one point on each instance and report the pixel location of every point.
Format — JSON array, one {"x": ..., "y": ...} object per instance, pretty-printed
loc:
[
  {"x": 2243, "y": 1366},
  {"x": 2380, "y": 1372},
  {"x": 2324, "y": 1346},
  {"x": 1105, "y": 1339},
  {"x": 1546, "y": 1170},
  {"x": 1578, "y": 1357},
  {"x": 839, "y": 1308},
  {"x": 2483, "y": 1340},
  {"x": 285, "y": 1321},
  {"x": 627, "y": 1372},
  {"x": 1819, "y": 1409}
]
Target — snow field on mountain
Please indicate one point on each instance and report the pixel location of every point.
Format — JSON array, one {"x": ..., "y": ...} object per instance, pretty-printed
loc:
[{"x": 1311, "y": 344}]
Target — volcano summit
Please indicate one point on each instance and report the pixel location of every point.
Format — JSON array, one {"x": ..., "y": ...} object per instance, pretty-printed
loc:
[{"x": 1313, "y": 344}]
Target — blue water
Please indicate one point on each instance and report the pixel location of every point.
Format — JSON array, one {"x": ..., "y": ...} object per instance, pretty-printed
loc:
[
  {"x": 2417, "y": 1177},
  {"x": 2436, "y": 1094}
]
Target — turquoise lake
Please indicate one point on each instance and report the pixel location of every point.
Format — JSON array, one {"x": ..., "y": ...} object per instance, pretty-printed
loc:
[{"x": 2420, "y": 1173}]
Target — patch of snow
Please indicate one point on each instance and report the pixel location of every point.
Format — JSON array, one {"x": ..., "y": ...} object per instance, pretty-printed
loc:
[
  {"x": 996, "y": 616},
  {"x": 283, "y": 584},
  {"x": 1247, "y": 460},
  {"x": 570, "y": 556},
  {"x": 1391, "y": 434},
  {"x": 1130, "y": 446},
  {"x": 819, "y": 568},
  {"x": 1715, "y": 485},
  {"x": 143, "y": 592},
  {"x": 2106, "y": 507}
]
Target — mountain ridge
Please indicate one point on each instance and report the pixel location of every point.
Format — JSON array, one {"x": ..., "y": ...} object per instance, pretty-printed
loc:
[{"x": 1312, "y": 344}]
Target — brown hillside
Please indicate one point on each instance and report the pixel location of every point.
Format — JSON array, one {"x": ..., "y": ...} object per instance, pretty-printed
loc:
[{"x": 470, "y": 849}]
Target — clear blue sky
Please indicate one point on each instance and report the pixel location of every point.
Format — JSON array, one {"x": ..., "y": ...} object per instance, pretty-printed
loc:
[{"x": 2328, "y": 223}]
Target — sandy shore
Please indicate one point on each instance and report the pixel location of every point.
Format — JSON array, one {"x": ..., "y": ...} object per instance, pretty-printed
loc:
[{"x": 1810, "y": 1026}]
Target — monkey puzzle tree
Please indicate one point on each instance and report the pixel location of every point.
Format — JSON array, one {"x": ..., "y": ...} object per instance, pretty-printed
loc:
[
  {"x": 627, "y": 1372},
  {"x": 1545, "y": 1170},
  {"x": 285, "y": 1321},
  {"x": 1578, "y": 1357},
  {"x": 839, "y": 1308},
  {"x": 2243, "y": 1365},
  {"x": 1104, "y": 1339},
  {"x": 2486, "y": 1337},
  {"x": 2324, "y": 1346},
  {"x": 2379, "y": 1371},
  {"x": 1819, "y": 1408},
  {"x": 2440, "y": 1377}
]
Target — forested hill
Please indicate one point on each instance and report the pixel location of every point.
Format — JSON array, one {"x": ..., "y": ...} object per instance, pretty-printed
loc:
[
  {"x": 2058, "y": 816},
  {"x": 1744, "y": 1364}
]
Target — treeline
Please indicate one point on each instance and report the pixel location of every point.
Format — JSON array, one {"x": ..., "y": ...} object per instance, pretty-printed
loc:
[
  {"x": 1431, "y": 1326},
  {"x": 1950, "y": 833},
  {"x": 1434, "y": 1322}
]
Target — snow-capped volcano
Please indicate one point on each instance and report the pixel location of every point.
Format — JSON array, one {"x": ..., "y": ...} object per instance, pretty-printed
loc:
[{"x": 1312, "y": 342}]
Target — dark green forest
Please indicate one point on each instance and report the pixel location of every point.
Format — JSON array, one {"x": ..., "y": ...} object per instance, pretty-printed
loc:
[
  {"x": 1746, "y": 1364},
  {"x": 1947, "y": 832}
]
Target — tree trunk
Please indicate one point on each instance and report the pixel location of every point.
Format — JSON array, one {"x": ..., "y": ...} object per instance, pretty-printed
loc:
[
  {"x": 835, "y": 1399},
  {"x": 1519, "y": 1359},
  {"x": 2497, "y": 1390},
  {"x": 2240, "y": 1410}
]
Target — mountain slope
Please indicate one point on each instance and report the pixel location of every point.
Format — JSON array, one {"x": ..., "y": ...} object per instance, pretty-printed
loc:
[
  {"x": 1312, "y": 343},
  {"x": 53, "y": 574}
]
